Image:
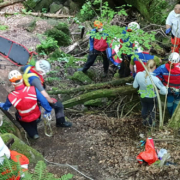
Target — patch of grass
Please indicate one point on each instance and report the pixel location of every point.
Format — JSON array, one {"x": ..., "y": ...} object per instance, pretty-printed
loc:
[{"x": 3, "y": 27}]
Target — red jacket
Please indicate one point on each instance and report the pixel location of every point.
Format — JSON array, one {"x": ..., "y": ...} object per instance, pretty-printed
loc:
[
  {"x": 25, "y": 101},
  {"x": 100, "y": 45},
  {"x": 174, "y": 80}
]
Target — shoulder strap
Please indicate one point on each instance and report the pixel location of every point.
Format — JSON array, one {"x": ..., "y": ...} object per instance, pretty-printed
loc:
[{"x": 27, "y": 75}]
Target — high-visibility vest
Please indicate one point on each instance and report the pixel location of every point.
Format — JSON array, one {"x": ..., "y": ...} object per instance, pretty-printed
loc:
[{"x": 25, "y": 101}]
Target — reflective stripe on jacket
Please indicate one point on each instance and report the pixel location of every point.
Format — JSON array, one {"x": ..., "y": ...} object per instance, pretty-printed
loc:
[{"x": 25, "y": 101}]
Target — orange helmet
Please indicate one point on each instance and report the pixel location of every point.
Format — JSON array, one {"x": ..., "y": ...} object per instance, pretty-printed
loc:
[
  {"x": 98, "y": 24},
  {"x": 15, "y": 76}
]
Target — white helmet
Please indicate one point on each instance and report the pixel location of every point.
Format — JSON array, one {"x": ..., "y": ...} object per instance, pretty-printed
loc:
[
  {"x": 15, "y": 77},
  {"x": 3, "y": 151},
  {"x": 43, "y": 66},
  {"x": 174, "y": 57},
  {"x": 134, "y": 26}
]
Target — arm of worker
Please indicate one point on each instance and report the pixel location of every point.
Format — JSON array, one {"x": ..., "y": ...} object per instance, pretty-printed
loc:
[
  {"x": 37, "y": 84},
  {"x": 159, "y": 71},
  {"x": 159, "y": 84},
  {"x": 6, "y": 105},
  {"x": 22, "y": 69},
  {"x": 169, "y": 23},
  {"x": 43, "y": 101}
]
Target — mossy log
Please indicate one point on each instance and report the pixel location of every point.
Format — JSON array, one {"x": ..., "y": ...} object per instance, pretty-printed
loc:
[
  {"x": 99, "y": 94},
  {"x": 7, "y": 3},
  {"x": 93, "y": 86},
  {"x": 49, "y": 15}
]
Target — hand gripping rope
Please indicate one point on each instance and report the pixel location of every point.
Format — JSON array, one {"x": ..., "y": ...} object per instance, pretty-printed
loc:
[{"x": 47, "y": 125}]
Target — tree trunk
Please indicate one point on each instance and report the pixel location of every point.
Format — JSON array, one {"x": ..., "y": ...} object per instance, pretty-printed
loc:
[
  {"x": 7, "y": 3},
  {"x": 99, "y": 94},
  {"x": 93, "y": 86}
]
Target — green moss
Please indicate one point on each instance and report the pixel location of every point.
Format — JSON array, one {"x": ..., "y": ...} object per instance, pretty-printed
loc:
[
  {"x": 3, "y": 27},
  {"x": 60, "y": 33},
  {"x": 8, "y": 126},
  {"x": 81, "y": 77},
  {"x": 31, "y": 26},
  {"x": 30, "y": 4},
  {"x": 56, "y": 54},
  {"x": 19, "y": 146},
  {"x": 1, "y": 1},
  {"x": 95, "y": 102},
  {"x": 55, "y": 7}
]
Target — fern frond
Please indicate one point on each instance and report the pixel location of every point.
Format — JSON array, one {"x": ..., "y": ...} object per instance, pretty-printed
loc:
[{"x": 40, "y": 171}]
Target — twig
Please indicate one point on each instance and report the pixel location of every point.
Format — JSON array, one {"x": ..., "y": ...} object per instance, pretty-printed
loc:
[
  {"x": 67, "y": 165},
  {"x": 131, "y": 109},
  {"x": 119, "y": 106},
  {"x": 167, "y": 140}
]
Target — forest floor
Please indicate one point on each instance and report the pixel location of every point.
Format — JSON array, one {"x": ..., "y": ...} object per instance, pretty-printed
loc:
[{"x": 100, "y": 146}]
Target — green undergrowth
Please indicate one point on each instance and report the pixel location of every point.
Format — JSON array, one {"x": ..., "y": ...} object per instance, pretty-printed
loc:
[{"x": 3, "y": 27}]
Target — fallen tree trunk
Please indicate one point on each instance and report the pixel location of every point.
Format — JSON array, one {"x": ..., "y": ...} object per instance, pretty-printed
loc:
[
  {"x": 7, "y": 3},
  {"x": 99, "y": 94},
  {"x": 93, "y": 86},
  {"x": 49, "y": 15}
]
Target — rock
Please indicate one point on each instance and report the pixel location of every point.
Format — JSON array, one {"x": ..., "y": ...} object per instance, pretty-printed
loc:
[
  {"x": 19, "y": 146},
  {"x": 30, "y": 26},
  {"x": 81, "y": 77},
  {"x": 54, "y": 7}
]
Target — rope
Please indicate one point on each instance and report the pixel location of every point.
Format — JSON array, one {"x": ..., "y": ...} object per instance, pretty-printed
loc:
[{"x": 67, "y": 165}]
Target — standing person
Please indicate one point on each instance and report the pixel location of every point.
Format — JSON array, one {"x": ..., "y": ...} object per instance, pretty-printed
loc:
[
  {"x": 97, "y": 47},
  {"x": 171, "y": 71},
  {"x": 15, "y": 156},
  {"x": 173, "y": 26},
  {"x": 144, "y": 57},
  {"x": 33, "y": 76},
  {"x": 148, "y": 102},
  {"x": 25, "y": 100}
]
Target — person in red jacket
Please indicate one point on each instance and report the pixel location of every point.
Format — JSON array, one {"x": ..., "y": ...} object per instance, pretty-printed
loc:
[
  {"x": 25, "y": 100},
  {"x": 15, "y": 156},
  {"x": 97, "y": 47}
]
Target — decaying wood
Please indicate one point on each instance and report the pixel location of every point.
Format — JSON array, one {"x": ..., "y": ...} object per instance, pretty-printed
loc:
[
  {"x": 93, "y": 86},
  {"x": 99, "y": 94},
  {"x": 49, "y": 15},
  {"x": 7, "y": 3},
  {"x": 73, "y": 46}
]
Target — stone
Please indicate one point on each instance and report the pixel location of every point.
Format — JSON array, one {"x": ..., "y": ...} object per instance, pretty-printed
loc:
[
  {"x": 54, "y": 7},
  {"x": 81, "y": 77}
]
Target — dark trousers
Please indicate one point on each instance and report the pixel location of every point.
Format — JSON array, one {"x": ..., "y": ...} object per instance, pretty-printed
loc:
[
  {"x": 59, "y": 112},
  {"x": 148, "y": 110},
  {"x": 29, "y": 127},
  {"x": 92, "y": 57}
]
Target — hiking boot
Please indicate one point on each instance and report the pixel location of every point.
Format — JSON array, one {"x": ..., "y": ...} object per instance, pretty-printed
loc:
[
  {"x": 104, "y": 75},
  {"x": 82, "y": 69},
  {"x": 65, "y": 124},
  {"x": 36, "y": 136}
]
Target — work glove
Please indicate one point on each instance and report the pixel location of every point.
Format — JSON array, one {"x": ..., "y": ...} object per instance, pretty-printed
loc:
[
  {"x": 47, "y": 115},
  {"x": 168, "y": 31},
  {"x": 1, "y": 104},
  {"x": 54, "y": 100}
]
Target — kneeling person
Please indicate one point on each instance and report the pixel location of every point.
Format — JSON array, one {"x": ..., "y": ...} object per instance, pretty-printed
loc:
[{"x": 25, "y": 100}]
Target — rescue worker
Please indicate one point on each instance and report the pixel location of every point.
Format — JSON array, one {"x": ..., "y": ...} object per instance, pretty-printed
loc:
[
  {"x": 148, "y": 101},
  {"x": 172, "y": 69},
  {"x": 15, "y": 156},
  {"x": 97, "y": 47},
  {"x": 136, "y": 66},
  {"x": 25, "y": 100},
  {"x": 132, "y": 27},
  {"x": 33, "y": 76},
  {"x": 173, "y": 26}
]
